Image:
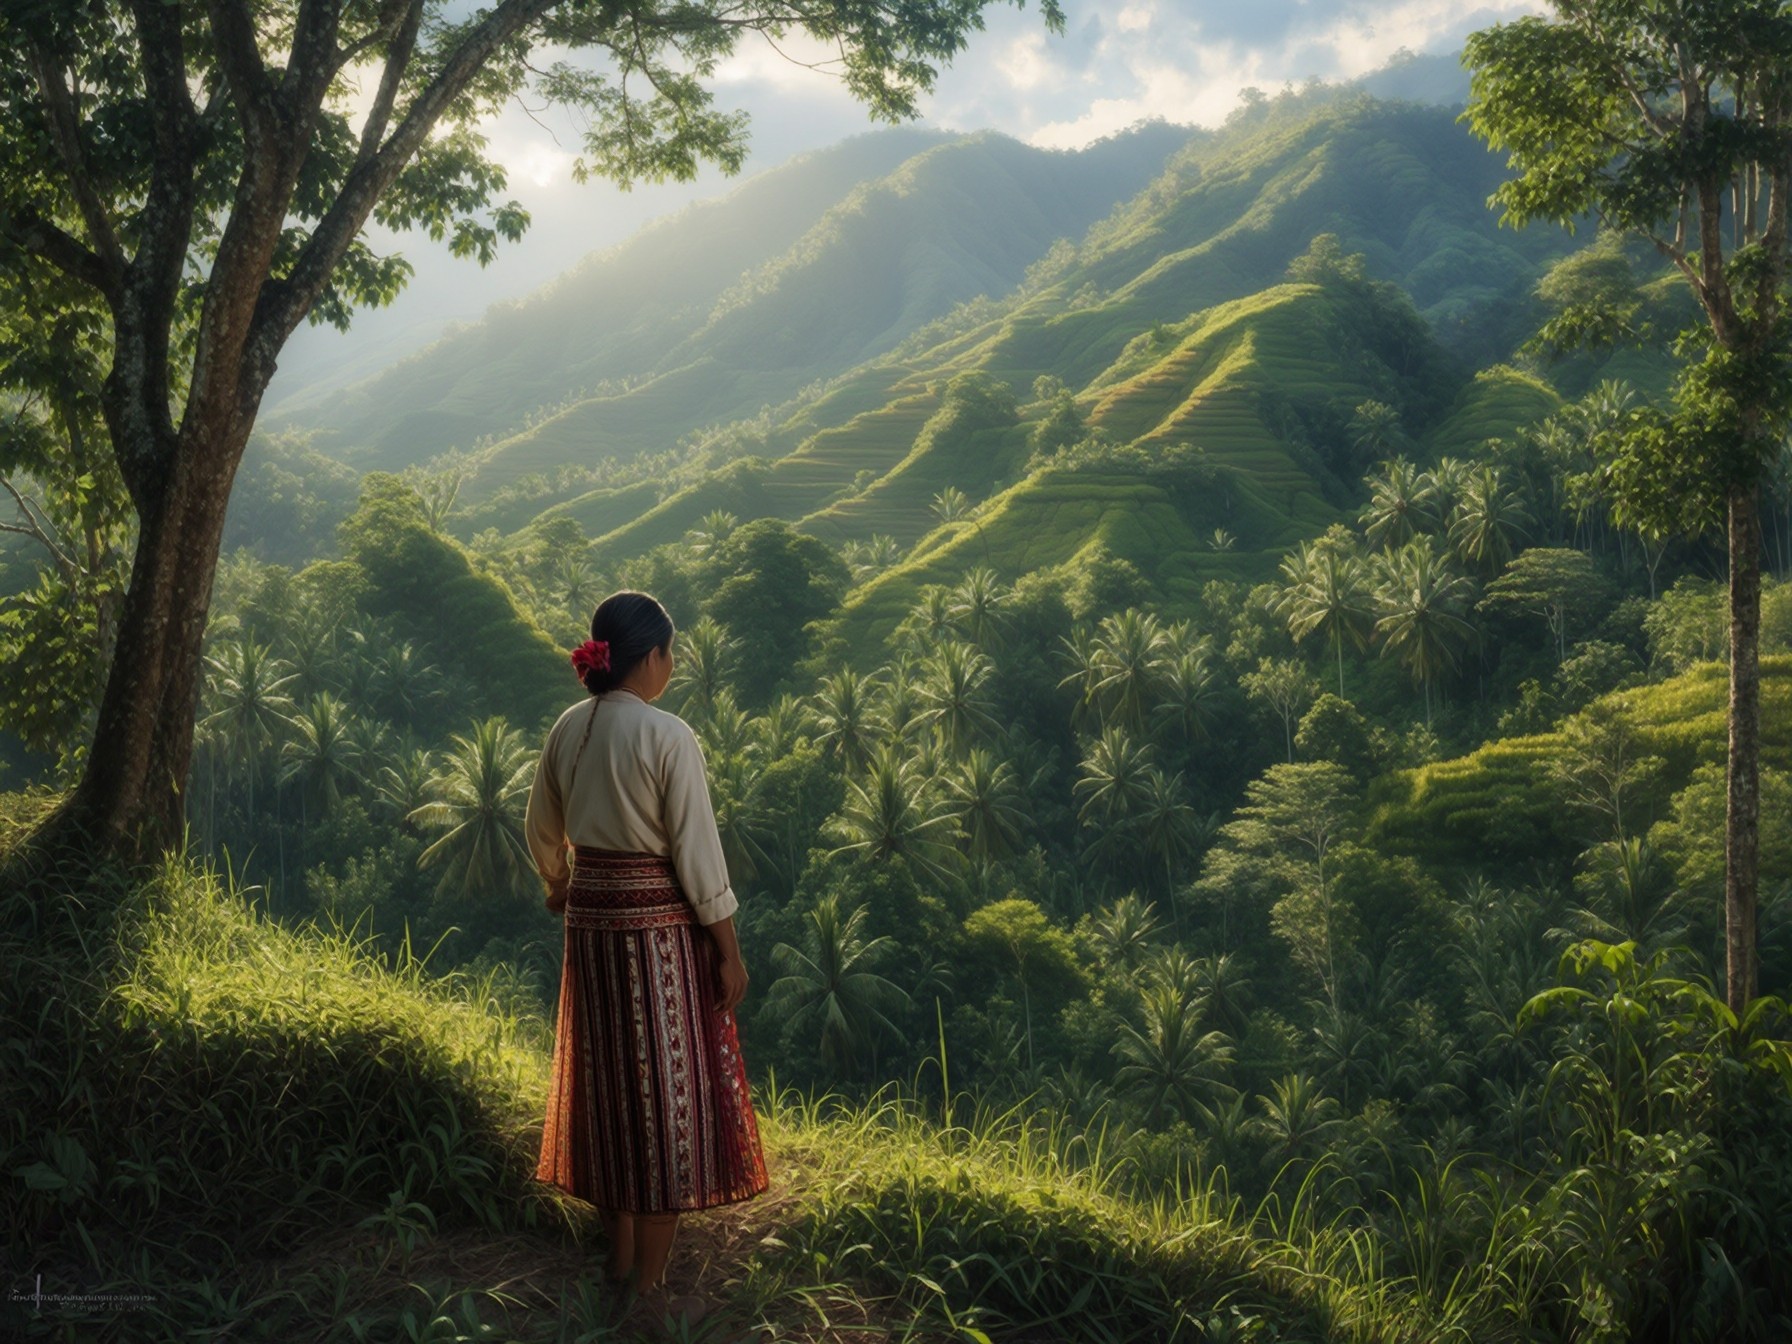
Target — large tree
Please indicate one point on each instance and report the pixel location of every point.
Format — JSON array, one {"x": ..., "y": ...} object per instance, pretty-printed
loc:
[
  {"x": 1672, "y": 120},
  {"x": 195, "y": 169}
]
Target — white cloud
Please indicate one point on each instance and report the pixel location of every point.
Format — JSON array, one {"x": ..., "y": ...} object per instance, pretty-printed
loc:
[
  {"x": 1026, "y": 65},
  {"x": 1182, "y": 61},
  {"x": 1135, "y": 18}
]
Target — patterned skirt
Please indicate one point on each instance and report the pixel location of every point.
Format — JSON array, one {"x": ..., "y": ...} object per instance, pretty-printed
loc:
[{"x": 648, "y": 1109}]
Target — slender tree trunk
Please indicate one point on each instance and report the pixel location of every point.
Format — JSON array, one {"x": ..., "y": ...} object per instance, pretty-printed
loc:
[{"x": 1743, "y": 811}]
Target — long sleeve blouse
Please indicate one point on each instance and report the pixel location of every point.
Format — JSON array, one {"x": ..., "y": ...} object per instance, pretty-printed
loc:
[{"x": 639, "y": 786}]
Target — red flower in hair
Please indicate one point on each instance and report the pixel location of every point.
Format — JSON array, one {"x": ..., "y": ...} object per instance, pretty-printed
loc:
[{"x": 591, "y": 656}]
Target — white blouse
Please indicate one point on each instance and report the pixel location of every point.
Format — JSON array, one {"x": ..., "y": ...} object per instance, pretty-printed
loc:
[{"x": 639, "y": 786}]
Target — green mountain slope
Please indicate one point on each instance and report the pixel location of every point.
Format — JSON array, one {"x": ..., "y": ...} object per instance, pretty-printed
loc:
[
  {"x": 1261, "y": 377},
  {"x": 728, "y": 306},
  {"x": 612, "y": 317},
  {"x": 960, "y": 220},
  {"x": 1232, "y": 421}
]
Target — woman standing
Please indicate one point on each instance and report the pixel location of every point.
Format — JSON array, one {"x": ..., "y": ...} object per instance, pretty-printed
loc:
[{"x": 648, "y": 1114}]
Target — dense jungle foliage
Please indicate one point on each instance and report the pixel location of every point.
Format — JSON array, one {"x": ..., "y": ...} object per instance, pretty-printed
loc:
[{"x": 1199, "y": 697}]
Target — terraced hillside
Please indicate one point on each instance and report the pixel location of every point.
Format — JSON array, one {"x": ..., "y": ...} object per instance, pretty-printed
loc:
[{"x": 1233, "y": 421}]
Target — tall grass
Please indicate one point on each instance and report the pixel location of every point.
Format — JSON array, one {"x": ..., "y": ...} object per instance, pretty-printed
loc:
[{"x": 268, "y": 1133}]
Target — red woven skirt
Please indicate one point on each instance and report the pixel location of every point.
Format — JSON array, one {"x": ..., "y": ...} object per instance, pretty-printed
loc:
[{"x": 648, "y": 1110}]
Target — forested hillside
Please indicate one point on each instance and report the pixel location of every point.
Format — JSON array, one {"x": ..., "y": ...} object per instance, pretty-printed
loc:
[{"x": 1214, "y": 781}]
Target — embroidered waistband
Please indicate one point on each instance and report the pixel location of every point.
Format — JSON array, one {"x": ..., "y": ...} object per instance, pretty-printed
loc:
[
  {"x": 619, "y": 889},
  {"x": 607, "y": 918}
]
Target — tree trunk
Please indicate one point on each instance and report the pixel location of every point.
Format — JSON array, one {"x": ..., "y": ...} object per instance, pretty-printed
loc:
[
  {"x": 130, "y": 798},
  {"x": 1743, "y": 808}
]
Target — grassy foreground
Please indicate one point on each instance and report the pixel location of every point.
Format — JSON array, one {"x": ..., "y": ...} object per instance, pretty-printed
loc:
[{"x": 220, "y": 1128}]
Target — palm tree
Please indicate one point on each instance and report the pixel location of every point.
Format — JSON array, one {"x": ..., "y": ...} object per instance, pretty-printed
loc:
[
  {"x": 310, "y": 647},
  {"x": 843, "y": 720},
  {"x": 829, "y": 988},
  {"x": 705, "y": 657},
  {"x": 867, "y": 559},
  {"x": 933, "y": 616},
  {"x": 777, "y": 730},
  {"x": 1347, "y": 1048},
  {"x": 403, "y": 682},
  {"x": 1131, "y": 650},
  {"x": 1126, "y": 929},
  {"x": 1327, "y": 594},
  {"x": 436, "y": 491},
  {"x": 975, "y": 603},
  {"x": 1115, "y": 779},
  {"x": 321, "y": 757},
  {"x": 951, "y": 504},
  {"x": 1188, "y": 694},
  {"x": 1399, "y": 506},
  {"x": 1444, "y": 484},
  {"x": 1488, "y": 523},
  {"x": 479, "y": 797},
  {"x": 1174, "y": 967},
  {"x": 1629, "y": 895},
  {"x": 727, "y": 732},
  {"x": 404, "y": 781},
  {"x": 1166, "y": 826},
  {"x": 741, "y": 821},
  {"x": 898, "y": 708},
  {"x": 1170, "y": 1066},
  {"x": 1297, "y": 1117},
  {"x": 249, "y": 689},
  {"x": 1375, "y": 430},
  {"x": 986, "y": 800},
  {"x": 575, "y": 584},
  {"x": 1225, "y": 990},
  {"x": 893, "y": 813},
  {"x": 1085, "y": 662},
  {"x": 1420, "y": 601},
  {"x": 712, "y": 530},
  {"x": 951, "y": 688}
]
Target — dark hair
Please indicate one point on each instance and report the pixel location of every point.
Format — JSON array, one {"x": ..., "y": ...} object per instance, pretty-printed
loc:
[{"x": 633, "y": 624}]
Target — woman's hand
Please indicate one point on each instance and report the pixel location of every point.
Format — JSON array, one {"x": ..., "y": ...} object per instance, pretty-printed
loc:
[
  {"x": 556, "y": 898},
  {"x": 732, "y": 972}
]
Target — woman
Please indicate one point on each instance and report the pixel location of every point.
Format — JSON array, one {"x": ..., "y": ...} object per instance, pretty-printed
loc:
[{"x": 648, "y": 1116}]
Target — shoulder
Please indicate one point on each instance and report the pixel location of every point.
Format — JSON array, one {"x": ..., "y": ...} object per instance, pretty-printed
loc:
[
  {"x": 667, "y": 725},
  {"x": 571, "y": 712}
]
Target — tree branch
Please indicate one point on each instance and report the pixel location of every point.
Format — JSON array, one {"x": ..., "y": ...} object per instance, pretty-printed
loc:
[
  {"x": 284, "y": 303},
  {"x": 34, "y": 529},
  {"x": 66, "y": 253},
  {"x": 404, "y": 41},
  {"x": 392, "y": 18},
  {"x": 233, "y": 36},
  {"x": 65, "y": 134},
  {"x": 313, "y": 62}
]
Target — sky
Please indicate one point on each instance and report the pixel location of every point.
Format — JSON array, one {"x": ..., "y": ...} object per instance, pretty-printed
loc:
[{"x": 1117, "y": 62}]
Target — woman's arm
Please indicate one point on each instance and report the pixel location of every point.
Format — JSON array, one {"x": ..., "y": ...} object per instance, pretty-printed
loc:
[
  {"x": 698, "y": 859},
  {"x": 690, "y": 822},
  {"x": 544, "y": 826}
]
